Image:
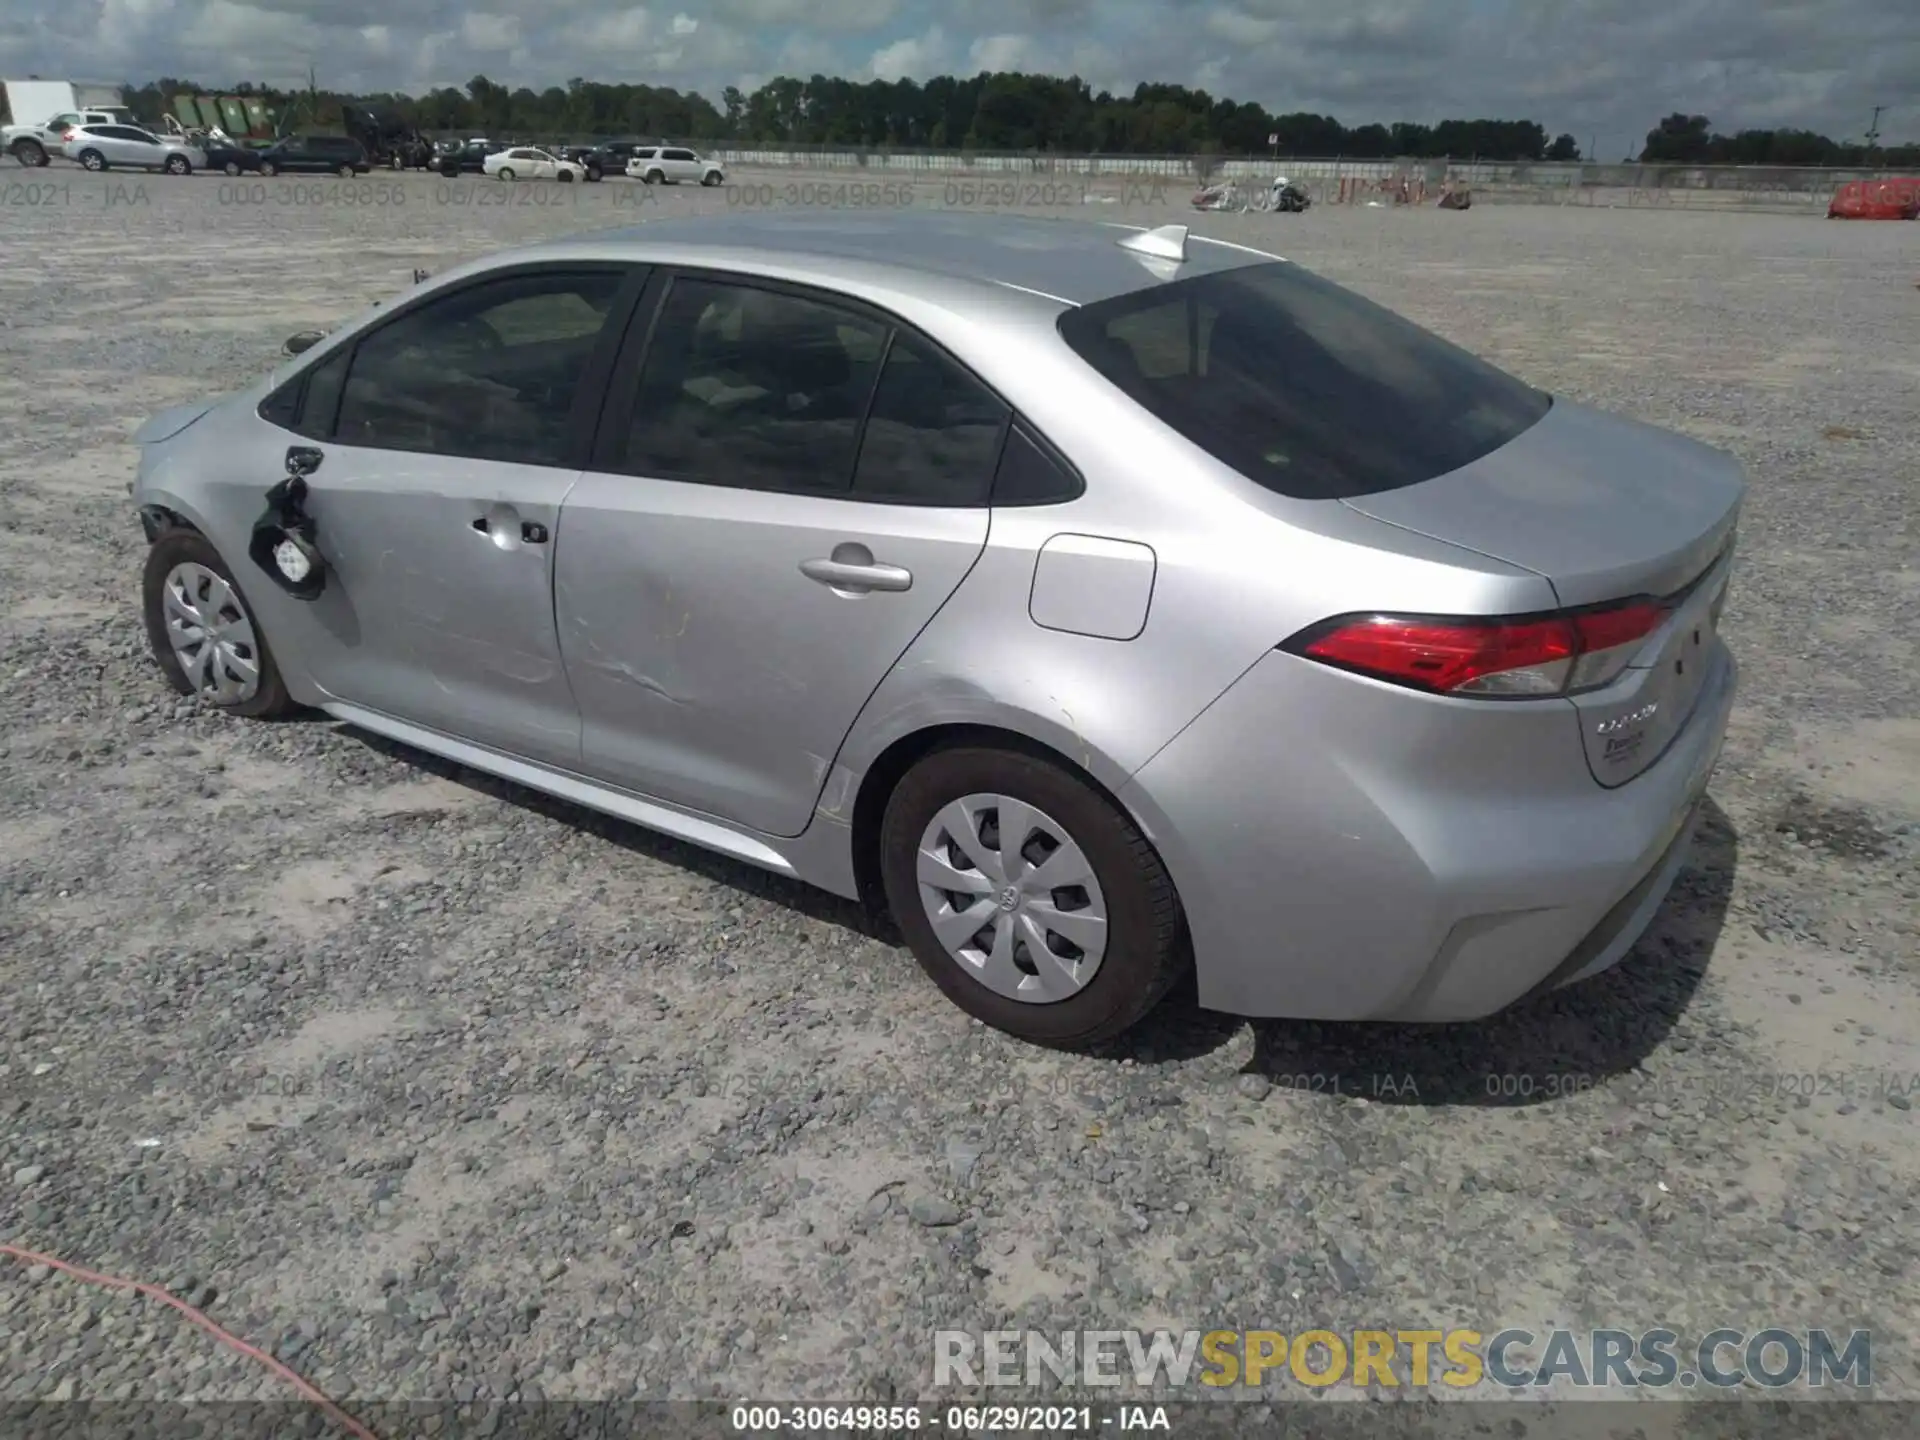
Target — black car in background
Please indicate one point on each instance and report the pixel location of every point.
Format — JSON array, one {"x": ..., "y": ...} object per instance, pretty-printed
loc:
[
  {"x": 468, "y": 159},
  {"x": 604, "y": 157},
  {"x": 311, "y": 154},
  {"x": 233, "y": 159}
]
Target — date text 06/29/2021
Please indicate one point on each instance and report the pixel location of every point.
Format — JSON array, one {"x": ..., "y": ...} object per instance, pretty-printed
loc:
[{"x": 959, "y": 1420}]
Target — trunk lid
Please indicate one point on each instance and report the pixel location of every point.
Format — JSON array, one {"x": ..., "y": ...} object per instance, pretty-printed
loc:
[
  {"x": 1602, "y": 506},
  {"x": 1604, "y": 509}
]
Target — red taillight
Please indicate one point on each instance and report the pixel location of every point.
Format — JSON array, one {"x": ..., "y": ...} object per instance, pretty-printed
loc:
[{"x": 1513, "y": 658}]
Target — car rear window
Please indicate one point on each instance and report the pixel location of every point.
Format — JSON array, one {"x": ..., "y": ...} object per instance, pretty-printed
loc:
[{"x": 1302, "y": 385}]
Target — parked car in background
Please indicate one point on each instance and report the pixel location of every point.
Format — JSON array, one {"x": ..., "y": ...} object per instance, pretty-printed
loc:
[
  {"x": 32, "y": 145},
  {"x": 341, "y": 155},
  {"x": 1107, "y": 601},
  {"x": 672, "y": 165},
  {"x": 232, "y": 159},
  {"x": 604, "y": 157},
  {"x": 467, "y": 157},
  {"x": 529, "y": 162},
  {"x": 130, "y": 147}
]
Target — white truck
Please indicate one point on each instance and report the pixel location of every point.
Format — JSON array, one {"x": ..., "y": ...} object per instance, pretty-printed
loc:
[{"x": 42, "y": 109}]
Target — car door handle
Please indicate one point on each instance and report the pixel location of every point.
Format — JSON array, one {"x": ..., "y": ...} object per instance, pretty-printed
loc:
[
  {"x": 848, "y": 575},
  {"x": 530, "y": 532}
]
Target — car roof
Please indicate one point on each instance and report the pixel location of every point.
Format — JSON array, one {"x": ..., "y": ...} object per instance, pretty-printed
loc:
[{"x": 1056, "y": 260}]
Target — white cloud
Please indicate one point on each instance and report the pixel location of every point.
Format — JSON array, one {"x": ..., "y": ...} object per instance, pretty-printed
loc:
[
  {"x": 685, "y": 25},
  {"x": 1001, "y": 52},
  {"x": 915, "y": 58},
  {"x": 484, "y": 31}
]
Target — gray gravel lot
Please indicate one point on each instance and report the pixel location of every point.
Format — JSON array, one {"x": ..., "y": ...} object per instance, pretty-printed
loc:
[{"x": 444, "y": 1090}]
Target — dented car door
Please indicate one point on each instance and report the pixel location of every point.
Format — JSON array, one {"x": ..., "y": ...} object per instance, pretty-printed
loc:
[{"x": 447, "y": 440}]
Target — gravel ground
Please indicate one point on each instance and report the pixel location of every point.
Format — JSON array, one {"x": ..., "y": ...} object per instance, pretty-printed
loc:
[{"x": 443, "y": 1090}]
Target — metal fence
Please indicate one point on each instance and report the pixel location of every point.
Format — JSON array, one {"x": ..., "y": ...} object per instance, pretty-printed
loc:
[{"x": 1779, "y": 180}]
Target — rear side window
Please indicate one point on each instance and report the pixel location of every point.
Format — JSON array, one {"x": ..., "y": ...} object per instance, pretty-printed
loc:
[
  {"x": 933, "y": 432},
  {"x": 753, "y": 388},
  {"x": 1302, "y": 385},
  {"x": 1030, "y": 474}
]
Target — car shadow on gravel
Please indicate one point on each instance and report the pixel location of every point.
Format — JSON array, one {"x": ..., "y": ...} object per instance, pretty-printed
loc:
[
  {"x": 1541, "y": 1050},
  {"x": 807, "y": 900}
]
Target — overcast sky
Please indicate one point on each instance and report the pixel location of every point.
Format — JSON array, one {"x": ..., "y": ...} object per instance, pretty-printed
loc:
[{"x": 1605, "y": 68}]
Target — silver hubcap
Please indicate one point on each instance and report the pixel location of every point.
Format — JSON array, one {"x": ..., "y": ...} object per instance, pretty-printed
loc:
[
  {"x": 1012, "y": 898},
  {"x": 211, "y": 634}
]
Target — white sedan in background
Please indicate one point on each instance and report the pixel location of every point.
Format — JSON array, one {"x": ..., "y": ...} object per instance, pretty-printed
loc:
[{"x": 528, "y": 163}]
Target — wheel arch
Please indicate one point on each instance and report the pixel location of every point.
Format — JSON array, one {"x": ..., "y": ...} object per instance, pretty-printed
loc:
[{"x": 884, "y": 772}]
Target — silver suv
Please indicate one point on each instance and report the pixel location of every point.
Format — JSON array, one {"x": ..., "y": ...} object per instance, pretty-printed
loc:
[
  {"x": 101, "y": 147},
  {"x": 672, "y": 165}
]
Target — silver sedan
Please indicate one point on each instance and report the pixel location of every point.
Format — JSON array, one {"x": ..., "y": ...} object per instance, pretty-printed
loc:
[{"x": 1103, "y": 602}]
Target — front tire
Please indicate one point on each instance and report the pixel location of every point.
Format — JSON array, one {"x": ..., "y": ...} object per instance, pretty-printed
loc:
[
  {"x": 269, "y": 169},
  {"x": 233, "y": 169},
  {"x": 179, "y": 165},
  {"x": 1067, "y": 936},
  {"x": 710, "y": 179},
  {"x": 30, "y": 153},
  {"x": 203, "y": 634}
]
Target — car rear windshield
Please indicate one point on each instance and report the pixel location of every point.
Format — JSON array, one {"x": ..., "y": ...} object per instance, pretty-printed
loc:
[{"x": 1300, "y": 384}]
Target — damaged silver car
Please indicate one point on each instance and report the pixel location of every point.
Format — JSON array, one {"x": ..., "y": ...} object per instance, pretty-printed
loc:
[{"x": 1106, "y": 603}]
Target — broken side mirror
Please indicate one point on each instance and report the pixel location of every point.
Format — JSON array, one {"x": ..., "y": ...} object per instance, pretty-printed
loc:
[
  {"x": 283, "y": 543},
  {"x": 302, "y": 341}
]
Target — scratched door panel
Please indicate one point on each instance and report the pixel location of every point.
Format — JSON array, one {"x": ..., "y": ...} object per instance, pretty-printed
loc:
[{"x": 448, "y": 623}]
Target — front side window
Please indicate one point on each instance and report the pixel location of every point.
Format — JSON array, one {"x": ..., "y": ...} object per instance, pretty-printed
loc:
[
  {"x": 320, "y": 396},
  {"x": 933, "y": 435},
  {"x": 1299, "y": 384},
  {"x": 755, "y": 388},
  {"x": 489, "y": 372}
]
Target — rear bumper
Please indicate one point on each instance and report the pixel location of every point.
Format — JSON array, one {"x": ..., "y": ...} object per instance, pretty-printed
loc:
[{"x": 1344, "y": 854}]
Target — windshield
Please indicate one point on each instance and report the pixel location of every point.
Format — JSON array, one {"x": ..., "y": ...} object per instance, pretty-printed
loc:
[{"x": 1299, "y": 384}]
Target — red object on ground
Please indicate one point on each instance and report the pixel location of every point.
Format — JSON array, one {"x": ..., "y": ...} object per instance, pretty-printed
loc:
[
  {"x": 198, "y": 1317},
  {"x": 1876, "y": 200}
]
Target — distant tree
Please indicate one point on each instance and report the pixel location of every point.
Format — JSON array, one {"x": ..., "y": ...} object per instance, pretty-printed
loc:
[
  {"x": 1564, "y": 148},
  {"x": 1678, "y": 140}
]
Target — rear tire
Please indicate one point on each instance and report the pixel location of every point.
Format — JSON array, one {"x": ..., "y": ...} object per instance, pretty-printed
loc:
[
  {"x": 183, "y": 553},
  {"x": 655, "y": 177},
  {"x": 504, "y": 173},
  {"x": 93, "y": 160},
  {"x": 347, "y": 172},
  {"x": 1143, "y": 944}
]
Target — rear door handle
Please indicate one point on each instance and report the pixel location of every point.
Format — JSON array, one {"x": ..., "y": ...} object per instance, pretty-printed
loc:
[{"x": 859, "y": 577}]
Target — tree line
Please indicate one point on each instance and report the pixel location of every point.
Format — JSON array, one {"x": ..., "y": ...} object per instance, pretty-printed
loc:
[
  {"x": 1683, "y": 139},
  {"x": 999, "y": 112}
]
